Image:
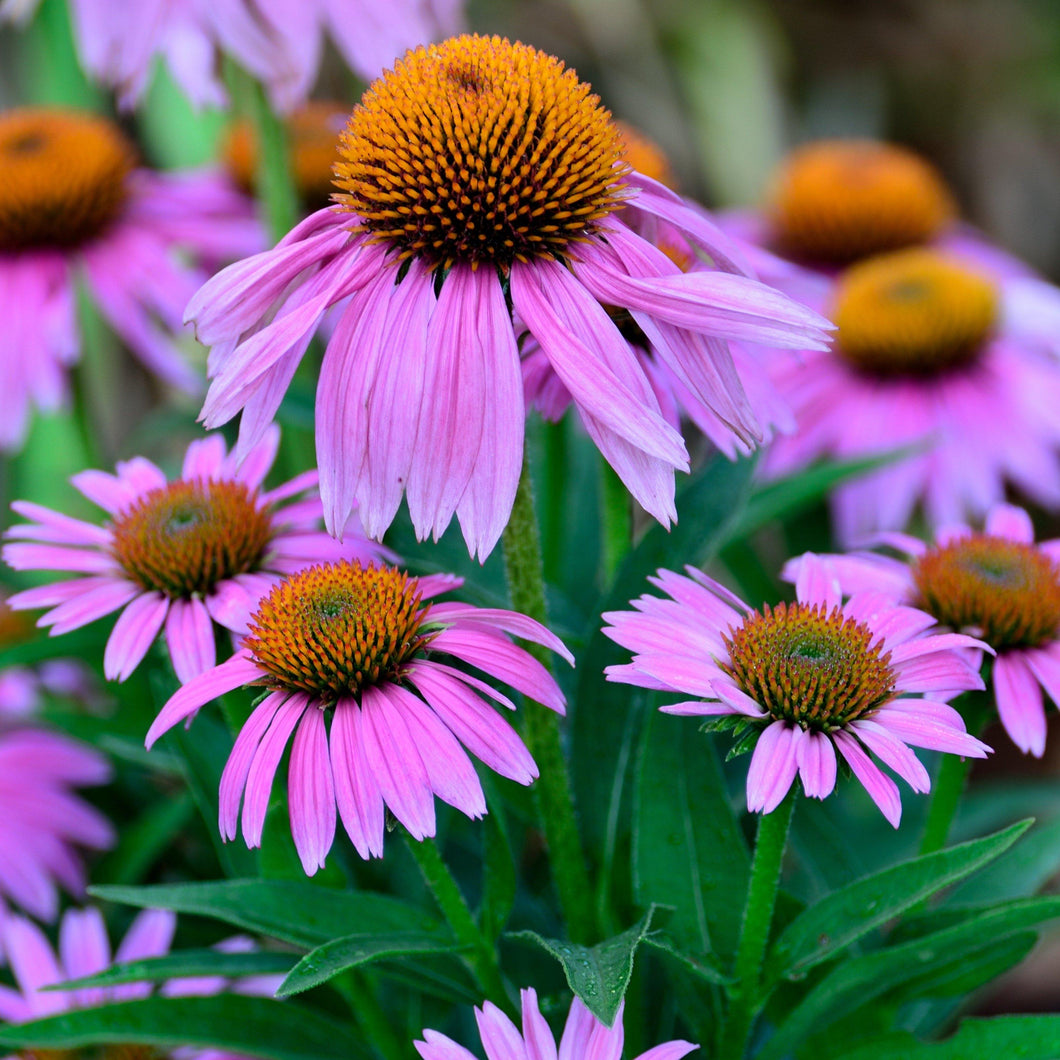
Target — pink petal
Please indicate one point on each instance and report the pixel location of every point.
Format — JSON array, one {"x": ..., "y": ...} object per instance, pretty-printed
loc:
[
  {"x": 816, "y": 585},
  {"x": 134, "y": 632},
  {"x": 311, "y": 792},
  {"x": 1019, "y": 703},
  {"x": 882, "y": 790},
  {"x": 357, "y": 793},
  {"x": 1006, "y": 520},
  {"x": 815, "y": 757},
  {"x": 773, "y": 767},
  {"x": 264, "y": 764},
  {"x": 190, "y": 638},
  {"x": 234, "y": 775},
  {"x": 508, "y": 621}
]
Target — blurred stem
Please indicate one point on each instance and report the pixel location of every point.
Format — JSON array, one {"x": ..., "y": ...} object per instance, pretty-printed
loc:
[
  {"x": 480, "y": 955},
  {"x": 274, "y": 179},
  {"x": 540, "y": 729},
  {"x": 745, "y": 993},
  {"x": 617, "y": 520}
]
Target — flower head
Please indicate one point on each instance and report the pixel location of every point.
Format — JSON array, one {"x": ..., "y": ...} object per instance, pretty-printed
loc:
[
  {"x": 583, "y": 1036},
  {"x": 177, "y": 556},
  {"x": 359, "y": 645},
  {"x": 813, "y": 677},
  {"x": 834, "y": 201},
  {"x": 996, "y": 584},
  {"x": 481, "y": 197},
  {"x": 71, "y": 200},
  {"x": 42, "y": 821}
]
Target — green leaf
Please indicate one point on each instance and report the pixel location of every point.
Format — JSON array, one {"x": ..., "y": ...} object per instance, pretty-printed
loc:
[
  {"x": 606, "y": 717},
  {"x": 598, "y": 975},
  {"x": 300, "y": 913},
  {"x": 1023, "y": 870},
  {"x": 858, "y": 981},
  {"x": 698, "y": 964},
  {"x": 688, "y": 851},
  {"x": 185, "y": 963},
  {"x": 336, "y": 956},
  {"x": 1026, "y": 1037},
  {"x": 254, "y": 1026},
  {"x": 851, "y": 912}
]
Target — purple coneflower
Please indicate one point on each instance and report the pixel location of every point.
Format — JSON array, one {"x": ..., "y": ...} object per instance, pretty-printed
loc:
[
  {"x": 481, "y": 185},
  {"x": 814, "y": 677},
  {"x": 946, "y": 345},
  {"x": 72, "y": 204},
  {"x": 996, "y": 584},
  {"x": 584, "y": 1037},
  {"x": 177, "y": 556},
  {"x": 356, "y": 644},
  {"x": 42, "y": 822}
]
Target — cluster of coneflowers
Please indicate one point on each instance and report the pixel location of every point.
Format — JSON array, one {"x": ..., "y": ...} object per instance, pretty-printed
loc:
[{"x": 496, "y": 245}]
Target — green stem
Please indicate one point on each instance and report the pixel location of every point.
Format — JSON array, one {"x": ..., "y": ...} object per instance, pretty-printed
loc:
[
  {"x": 552, "y": 789},
  {"x": 745, "y": 995},
  {"x": 556, "y": 455},
  {"x": 480, "y": 956},
  {"x": 275, "y": 182},
  {"x": 617, "y": 520}
]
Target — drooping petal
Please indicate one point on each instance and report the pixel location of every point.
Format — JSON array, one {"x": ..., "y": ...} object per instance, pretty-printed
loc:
[
  {"x": 773, "y": 767},
  {"x": 311, "y": 792},
  {"x": 1019, "y": 703}
]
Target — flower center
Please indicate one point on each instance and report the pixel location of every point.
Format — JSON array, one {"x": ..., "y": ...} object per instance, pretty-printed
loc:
[
  {"x": 62, "y": 177},
  {"x": 811, "y": 666},
  {"x": 1006, "y": 590},
  {"x": 312, "y": 133},
  {"x": 913, "y": 312},
  {"x": 479, "y": 150},
  {"x": 336, "y": 628},
  {"x": 185, "y": 537},
  {"x": 838, "y": 200}
]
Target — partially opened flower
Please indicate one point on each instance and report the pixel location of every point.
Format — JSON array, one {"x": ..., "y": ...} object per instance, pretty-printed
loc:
[
  {"x": 175, "y": 556},
  {"x": 84, "y": 950},
  {"x": 42, "y": 820},
  {"x": 280, "y": 42},
  {"x": 360, "y": 646},
  {"x": 481, "y": 190},
  {"x": 995, "y": 583},
  {"x": 73, "y": 205},
  {"x": 808, "y": 679},
  {"x": 584, "y": 1037}
]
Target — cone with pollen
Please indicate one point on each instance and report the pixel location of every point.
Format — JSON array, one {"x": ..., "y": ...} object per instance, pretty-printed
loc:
[
  {"x": 481, "y": 195},
  {"x": 176, "y": 556},
  {"x": 364, "y": 668},
  {"x": 837, "y": 200},
  {"x": 995, "y": 583},
  {"x": 807, "y": 680},
  {"x": 914, "y": 312}
]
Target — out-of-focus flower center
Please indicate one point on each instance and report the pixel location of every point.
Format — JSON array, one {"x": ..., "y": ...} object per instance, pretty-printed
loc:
[
  {"x": 913, "y": 312},
  {"x": 644, "y": 155},
  {"x": 817, "y": 668},
  {"x": 117, "y": 1051},
  {"x": 15, "y": 626},
  {"x": 312, "y": 135},
  {"x": 479, "y": 150},
  {"x": 1007, "y": 591},
  {"x": 185, "y": 537},
  {"x": 837, "y": 200},
  {"x": 62, "y": 177},
  {"x": 337, "y": 628}
]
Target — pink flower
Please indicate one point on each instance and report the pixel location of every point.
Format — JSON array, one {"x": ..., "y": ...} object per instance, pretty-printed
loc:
[
  {"x": 946, "y": 345},
  {"x": 280, "y": 42},
  {"x": 354, "y": 643},
  {"x": 996, "y": 584},
  {"x": 72, "y": 205},
  {"x": 42, "y": 822},
  {"x": 84, "y": 950},
  {"x": 177, "y": 556},
  {"x": 493, "y": 231},
  {"x": 584, "y": 1037},
  {"x": 814, "y": 677}
]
